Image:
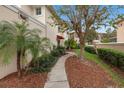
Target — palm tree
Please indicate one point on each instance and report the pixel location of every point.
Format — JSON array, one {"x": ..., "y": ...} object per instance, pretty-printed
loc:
[{"x": 23, "y": 39}]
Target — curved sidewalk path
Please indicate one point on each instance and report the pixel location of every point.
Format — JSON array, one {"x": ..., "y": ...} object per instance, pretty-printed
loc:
[{"x": 57, "y": 77}]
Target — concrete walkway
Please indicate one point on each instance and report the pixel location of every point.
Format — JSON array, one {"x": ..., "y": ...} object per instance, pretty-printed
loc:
[{"x": 57, "y": 77}]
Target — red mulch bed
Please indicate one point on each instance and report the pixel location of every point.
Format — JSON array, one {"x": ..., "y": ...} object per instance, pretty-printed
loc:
[
  {"x": 87, "y": 74},
  {"x": 27, "y": 81}
]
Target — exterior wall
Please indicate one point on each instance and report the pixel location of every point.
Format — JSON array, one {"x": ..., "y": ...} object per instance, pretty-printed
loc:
[
  {"x": 5, "y": 69},
  {"x": 116, "y": 46},
  {"x": 30, "y": 9},
  {"x": 42, "y": 16},
  {"x": 9, "y": 15},
  {"x": 6, "y": 14},
  {"x": 43, "y": 29},
  {"x": 52, "y": 31},
  {"x": 120, "y": 32},
  {"x": 27, "y": 9}
]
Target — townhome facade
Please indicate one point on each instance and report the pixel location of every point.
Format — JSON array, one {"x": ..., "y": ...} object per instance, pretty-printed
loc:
[
  {"x": 37, "y": 17},
  {"x": 44, "y": 15}
]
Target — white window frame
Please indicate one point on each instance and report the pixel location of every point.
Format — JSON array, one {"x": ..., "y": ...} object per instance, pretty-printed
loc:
[{"x": 36, "y": 11}]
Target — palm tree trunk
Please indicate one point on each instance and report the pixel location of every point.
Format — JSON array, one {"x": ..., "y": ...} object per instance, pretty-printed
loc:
[{"x": 18, "y": 63}]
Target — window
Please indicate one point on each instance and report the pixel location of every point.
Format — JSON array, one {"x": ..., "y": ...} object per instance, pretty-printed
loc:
[{"x": 38, "y": 11}]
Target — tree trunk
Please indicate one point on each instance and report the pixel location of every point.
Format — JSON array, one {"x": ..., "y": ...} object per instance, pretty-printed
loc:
[
  {"x": 18, "y": 63},
  {"x": 81, "y": 49},
  {"x": 82, "y": 38},
  {"x": 82, "y": 43}
]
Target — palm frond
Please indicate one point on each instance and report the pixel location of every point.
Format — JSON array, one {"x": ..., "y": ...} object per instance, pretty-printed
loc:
[{"x": 21, "y": 37}]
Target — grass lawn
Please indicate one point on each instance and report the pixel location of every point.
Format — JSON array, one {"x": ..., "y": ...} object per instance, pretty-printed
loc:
[{"x": 97, "y": 60}]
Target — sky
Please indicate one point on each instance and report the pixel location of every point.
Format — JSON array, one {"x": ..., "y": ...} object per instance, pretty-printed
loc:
[{"x": 114, "y": 12}]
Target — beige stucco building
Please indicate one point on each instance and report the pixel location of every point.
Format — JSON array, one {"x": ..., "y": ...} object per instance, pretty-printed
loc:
[
  {"x": 120, "y": 31},
  {"x": 37, "y": 17},
  {"x": 45, "y": 17},
  {"x": 119, "y": 45}
]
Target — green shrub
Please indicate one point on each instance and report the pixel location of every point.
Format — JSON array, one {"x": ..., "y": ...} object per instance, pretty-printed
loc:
[
  {"x": 61, "y": 50},
  {"x": 71, "y": 43},
  {"x": 112, "y": 57},
  {"x": 47, "y": 61},
  {"x": 55, "y": 53},
  {"x": 58, "y": 51},
  {"x": 90, "y": 49},
  {"x": 44, "y": 63}
]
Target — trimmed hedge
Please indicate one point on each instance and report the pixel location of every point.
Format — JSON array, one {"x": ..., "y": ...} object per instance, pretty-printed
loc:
[
  {"x": 90, "y": 49},
  {"x": 112, "y": 57},
  {"x": 47, "y": 61}
]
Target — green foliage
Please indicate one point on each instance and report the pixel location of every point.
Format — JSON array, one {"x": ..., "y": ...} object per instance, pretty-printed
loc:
[
  {"x": 47, "y": 61},
  {"x": 18, "y": 35},
  {"x": 91, "y": 35},
  {"x": 58, "y": 51},
  {"x": 105, "y": 40},
  {"x": 109, "y": 36},
  {"x": 44, "y": 63},
  {"x": 112, "y": 57},
  {"x": 90, "y": 49},
  {"x": 71, "y": 44},
  {"x": 83, "y": 18},
  {"x": 25, "y": 41}
]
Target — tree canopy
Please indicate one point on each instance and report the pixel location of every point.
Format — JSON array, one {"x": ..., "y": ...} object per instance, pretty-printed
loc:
[{"x": 84, "y": 18}]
